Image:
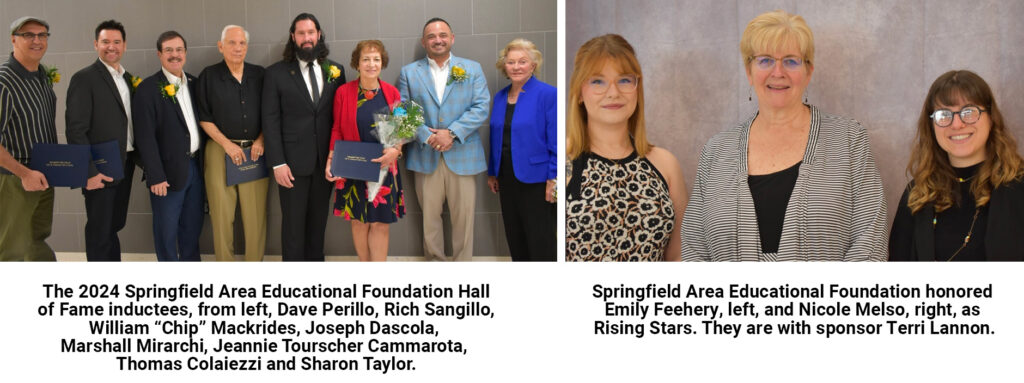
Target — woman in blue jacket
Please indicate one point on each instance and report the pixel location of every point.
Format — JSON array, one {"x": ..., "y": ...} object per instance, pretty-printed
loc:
[{"x": 523, "y": 161}]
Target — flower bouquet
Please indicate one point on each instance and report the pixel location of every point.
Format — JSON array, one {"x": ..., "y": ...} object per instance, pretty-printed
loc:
[{"x": 394, "y": 128}]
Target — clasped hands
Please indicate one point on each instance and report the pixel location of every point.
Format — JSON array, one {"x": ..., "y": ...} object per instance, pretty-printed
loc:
[{"x": 441, "y": 140}]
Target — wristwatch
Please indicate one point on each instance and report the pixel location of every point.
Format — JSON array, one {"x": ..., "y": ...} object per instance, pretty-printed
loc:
[{"x": 452, "y": 133}]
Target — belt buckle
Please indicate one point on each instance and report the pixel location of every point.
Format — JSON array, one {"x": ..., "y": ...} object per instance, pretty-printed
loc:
[{"x": 243, "y": 143}]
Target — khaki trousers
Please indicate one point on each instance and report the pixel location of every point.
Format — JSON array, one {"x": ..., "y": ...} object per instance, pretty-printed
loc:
[
  {"x": 251, "y": 196},
  {"x": 26, "y": 219},
  {"x": 432, "y": 190}
]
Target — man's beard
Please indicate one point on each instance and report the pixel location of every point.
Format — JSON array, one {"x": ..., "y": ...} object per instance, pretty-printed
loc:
[{"x": 310, "y": 54}]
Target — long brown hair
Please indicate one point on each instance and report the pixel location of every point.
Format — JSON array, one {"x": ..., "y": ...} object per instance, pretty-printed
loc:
[
  {"x": 590, "y": 60},
  {"x": 934, "y": 180}
]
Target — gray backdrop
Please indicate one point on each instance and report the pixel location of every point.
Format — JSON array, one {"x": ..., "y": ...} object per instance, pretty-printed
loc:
[
  {"x": 481, "y": 27},
  {"x": 875, "y": 60}
]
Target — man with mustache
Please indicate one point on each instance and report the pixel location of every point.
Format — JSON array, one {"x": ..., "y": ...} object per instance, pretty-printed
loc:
[
  {"x": 447, "y": 153},
  {"x": 298, "y": 93},
  {"x": 229, "y": 112},
  {"x": 28, "y": 108},
  {"x": 99, "y": 110},
  {"x": 169, "y": 142}
]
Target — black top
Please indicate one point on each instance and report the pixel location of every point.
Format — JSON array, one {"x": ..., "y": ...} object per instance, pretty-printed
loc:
[
  {"x": 771, "y": 194},
  {"x": 28, "y": 110},
  {"x": 928, "y": 236},
  {"x": 506, "y": 133},
  {"x": 234, "y": 107},
  {"x": 952, "y": 225}
]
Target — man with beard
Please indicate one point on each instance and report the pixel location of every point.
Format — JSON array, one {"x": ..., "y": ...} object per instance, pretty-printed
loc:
[
  {"x": 447, "y": 153},
  {"x": 169, "y": 142},
  {"x": 28, "y": 108},
  {"x": 99, "y": 110},
  {"x": 298, "y": 95}
]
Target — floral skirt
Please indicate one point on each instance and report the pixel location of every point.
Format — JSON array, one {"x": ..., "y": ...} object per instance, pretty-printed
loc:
[{"x": 388, "y": 206}]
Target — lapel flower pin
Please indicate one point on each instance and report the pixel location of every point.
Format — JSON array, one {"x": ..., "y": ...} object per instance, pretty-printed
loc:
[
  {"x": 458, "y": 75},
  {"x": 135, "y": 82},
  {"x": 52, "y": 76},
  {"x": 169, "y": 90},
  {"x": 332, "y": 72}
]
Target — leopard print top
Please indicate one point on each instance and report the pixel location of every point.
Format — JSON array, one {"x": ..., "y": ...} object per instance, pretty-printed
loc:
[{"x": 618, "y": 210}]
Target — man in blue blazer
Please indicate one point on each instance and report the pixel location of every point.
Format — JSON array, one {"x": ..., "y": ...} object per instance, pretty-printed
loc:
[
  {"x": 167, "y": 137},
  {"x": 447, "y": 153}
]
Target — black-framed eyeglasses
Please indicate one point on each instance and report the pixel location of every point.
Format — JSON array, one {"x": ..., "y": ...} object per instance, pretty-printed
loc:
[
  {"x": 32, "y": 36},
  {"x": 969, "y": 115}
]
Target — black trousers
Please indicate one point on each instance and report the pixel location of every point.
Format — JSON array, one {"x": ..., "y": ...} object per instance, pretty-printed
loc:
[
  {"x": 304, "y": 210},
  {"x": 106, "y": 210},
  {"x": 531, "y": 223}
]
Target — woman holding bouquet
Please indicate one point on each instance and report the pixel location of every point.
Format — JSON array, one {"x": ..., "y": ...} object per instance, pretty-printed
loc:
[
  {"x": 355, "y": 104},
  {"x": 524, "y": 154}
]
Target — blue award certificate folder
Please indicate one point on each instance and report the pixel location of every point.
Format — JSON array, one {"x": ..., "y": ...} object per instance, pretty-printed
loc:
[
  {"x": 63, "y": 165},
  {"x": 107, "y": 159},
  {"x": 352, "y": 160},
  {"x": 249, "y": 170}
]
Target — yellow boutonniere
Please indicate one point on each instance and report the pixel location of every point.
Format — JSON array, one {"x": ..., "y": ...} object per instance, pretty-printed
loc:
[
  {"x": 169, "y": 90},
  {"x": 52, "y": 76},
  {"x": 135, "y": 82},
  {"x": 458, "y": 75},
  {"x": 331, "y": 72}
]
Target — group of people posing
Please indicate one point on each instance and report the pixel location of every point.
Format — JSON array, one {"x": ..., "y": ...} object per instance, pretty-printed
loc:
[
  {"x": 792, "y": 183},
  {"x": 185, "y": 131}
]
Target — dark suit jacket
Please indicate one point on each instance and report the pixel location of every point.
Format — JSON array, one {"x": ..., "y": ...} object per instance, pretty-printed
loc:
[
  {"x": 95, "y": 113},
  {"x": 295, "y": 131},
  {"x": 913, "y": 237},
  {"x": 161, "y": 135},
  {"x": 535, "y": 137}
]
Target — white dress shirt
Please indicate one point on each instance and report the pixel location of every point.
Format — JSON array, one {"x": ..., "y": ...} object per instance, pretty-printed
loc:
[
  {"x": 185, "y": 103},
  {"x": 124, "y": 90},
  {"x": 440, "y": 74},
  {"x": 304, "y": 68}
]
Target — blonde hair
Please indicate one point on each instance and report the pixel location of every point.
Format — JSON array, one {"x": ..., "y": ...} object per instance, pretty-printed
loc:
[
  {"x": 772, "y": 32},
  {"x": 521, "y": 44},
  {"x": 934, "y": 179},
  {"x": 590, "y": 60}
]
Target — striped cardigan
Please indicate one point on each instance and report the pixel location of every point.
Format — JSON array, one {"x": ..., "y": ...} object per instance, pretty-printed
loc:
[{"x": 836, "y": 212}]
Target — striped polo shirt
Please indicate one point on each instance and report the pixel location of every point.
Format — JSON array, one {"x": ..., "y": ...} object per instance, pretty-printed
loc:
[{"x": 28, "y": 108}]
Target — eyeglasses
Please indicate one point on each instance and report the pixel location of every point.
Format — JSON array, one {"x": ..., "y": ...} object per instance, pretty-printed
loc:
[
  {"x": 625, "y": 84},
  {"x": 969, "y": 115},
  {"x": 790, "y": 63},
  {"x": 31, "y": 36}
]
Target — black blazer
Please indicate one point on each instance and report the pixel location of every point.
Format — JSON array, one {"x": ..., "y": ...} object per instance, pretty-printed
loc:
[
  {"x": 295, "y": 131},
  {"x": 161, "y": 135},
  {"x": 913, "y": 238},
  {"x": 95, "y": 113}
]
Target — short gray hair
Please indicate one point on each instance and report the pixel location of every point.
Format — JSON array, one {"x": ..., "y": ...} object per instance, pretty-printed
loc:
[{"x": 224, "y": 32}]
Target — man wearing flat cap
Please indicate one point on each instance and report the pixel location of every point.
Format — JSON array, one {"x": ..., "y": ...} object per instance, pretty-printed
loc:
[{"x": 28, "y": 108}]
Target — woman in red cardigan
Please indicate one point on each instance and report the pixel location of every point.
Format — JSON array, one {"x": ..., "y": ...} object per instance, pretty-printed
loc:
[{"x": 355, "y": 104}]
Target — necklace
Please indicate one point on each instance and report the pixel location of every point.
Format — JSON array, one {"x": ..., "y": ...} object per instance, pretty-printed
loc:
[
  {"x": 369, "y": 93},
  {"x": 968, "y": 237},
  {"x": 615, "y": 162},
  {"x": 962, "y": 180}
]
